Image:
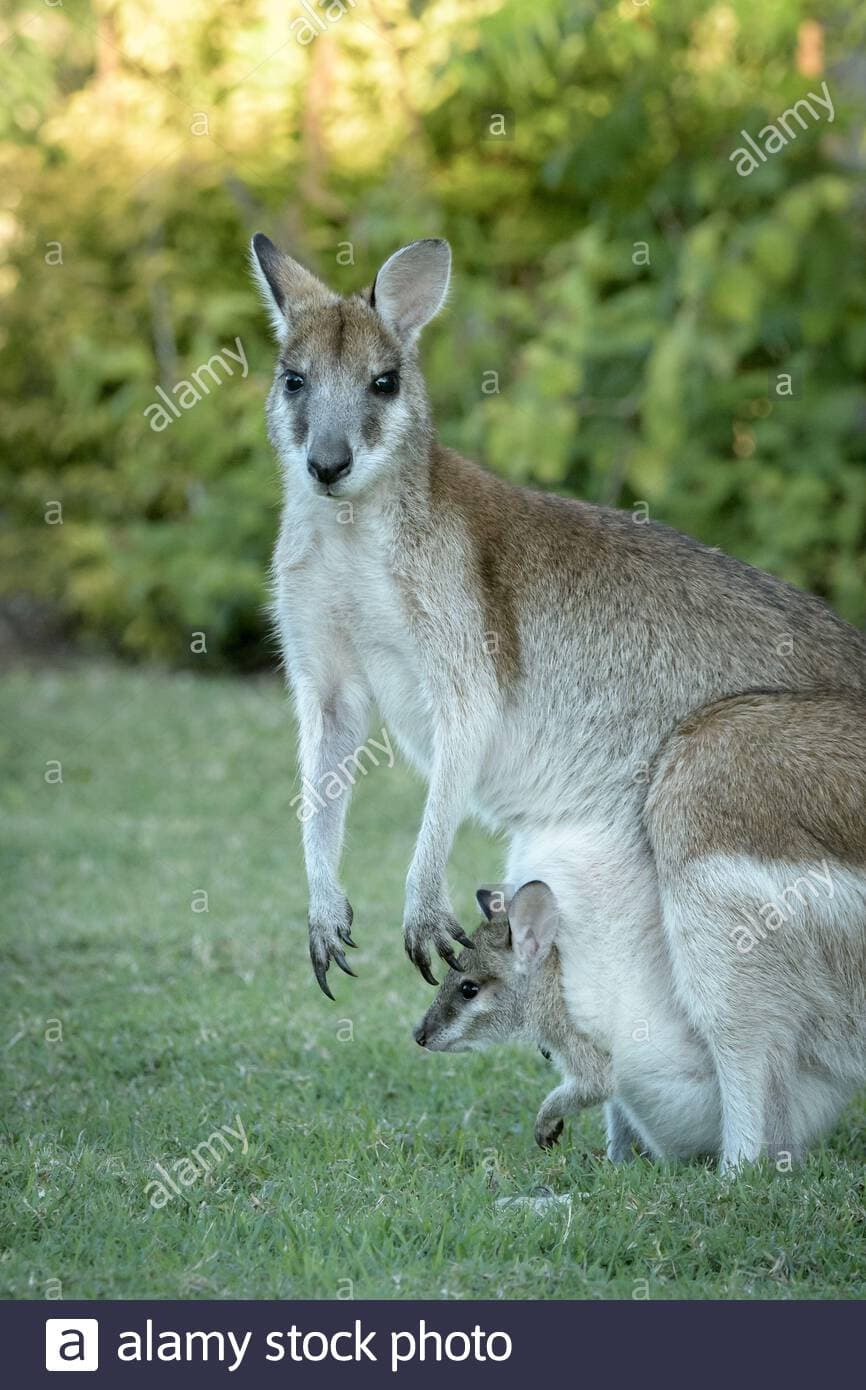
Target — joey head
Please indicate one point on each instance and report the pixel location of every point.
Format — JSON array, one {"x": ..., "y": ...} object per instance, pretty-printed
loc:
[{"x": 508, "y": 989}]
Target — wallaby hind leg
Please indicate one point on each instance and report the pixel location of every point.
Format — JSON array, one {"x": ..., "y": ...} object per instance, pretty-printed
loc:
[
  {"x": 742, "y": 1110},
  {"x": 748, "y": 1007},
  {"x": 621, "y": 1135},
  {"x": 757, "y": 1112},
  {"x": 756, "y": 815}
]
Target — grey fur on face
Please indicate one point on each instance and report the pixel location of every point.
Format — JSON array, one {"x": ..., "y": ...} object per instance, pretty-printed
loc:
[{"x": 347, "y": 385}]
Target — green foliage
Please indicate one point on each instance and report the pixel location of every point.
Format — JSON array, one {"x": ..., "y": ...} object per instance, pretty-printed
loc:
[{"x": 623, "y": 300}]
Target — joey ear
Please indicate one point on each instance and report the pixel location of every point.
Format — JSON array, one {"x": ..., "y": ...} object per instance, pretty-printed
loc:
[
  {"x": 492, "y": 902},
  {"x": 411, "y": 286},
  {"x": 484, "y": 898},
  {"x": 284, "y": 284},
  {"x": 534, "y": 918}
]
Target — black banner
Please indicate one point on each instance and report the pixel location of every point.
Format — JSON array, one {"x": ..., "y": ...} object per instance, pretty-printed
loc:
[{"x": 198, "y": 1344}]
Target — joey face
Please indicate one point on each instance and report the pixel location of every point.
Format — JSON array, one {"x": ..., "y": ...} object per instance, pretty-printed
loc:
[
  {"x": 489, "y": 999},
  {"x": 348, "y": 403},
  {"x": 481, "y": 1004}
]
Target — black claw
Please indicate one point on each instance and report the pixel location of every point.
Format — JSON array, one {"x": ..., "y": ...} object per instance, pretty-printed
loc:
[
  {"x": 320, "y": 972},
  {"x": 343, "y": 963},
  {"x": 347, "y": 937},
  {"x": 424, "y": 967},
  {"x": 459, "y": 935},
  {"x": 449, "y": 957}
]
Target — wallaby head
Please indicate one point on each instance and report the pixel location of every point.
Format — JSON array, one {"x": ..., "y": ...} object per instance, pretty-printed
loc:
[
  {"x": 348, "y": 405},
  {"x": 505, "y": 983}
]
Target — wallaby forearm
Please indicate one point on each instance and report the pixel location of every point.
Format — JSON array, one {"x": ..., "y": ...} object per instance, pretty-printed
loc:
[
  {"x": 332, "y": 723},
  {"x": 452, "y": 779},
  {"x": 458, "y": 755},
  {"x": 324, "y": 830}
]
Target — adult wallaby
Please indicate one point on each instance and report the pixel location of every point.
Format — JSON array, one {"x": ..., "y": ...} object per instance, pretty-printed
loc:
[
  {"x": 529, "y": 653},
  {"x": 754, "y": 967}
]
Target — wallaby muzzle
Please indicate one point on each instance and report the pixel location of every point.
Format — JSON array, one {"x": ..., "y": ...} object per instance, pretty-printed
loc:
[{"x": 329, "y": 458}]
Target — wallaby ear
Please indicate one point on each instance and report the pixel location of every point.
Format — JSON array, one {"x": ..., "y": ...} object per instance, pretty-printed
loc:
[
  {"x": 534, "y": 917},
  {"x": 285, "y": 285},
  {"x": 411, "y": 286}
]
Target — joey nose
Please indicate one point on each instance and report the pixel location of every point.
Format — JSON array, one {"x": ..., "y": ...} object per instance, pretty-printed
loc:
[
  {"x": 420, "y": 1035},
  {"x": 326, "y": 469}
]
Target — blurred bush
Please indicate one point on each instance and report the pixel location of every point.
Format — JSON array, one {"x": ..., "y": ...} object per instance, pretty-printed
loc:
[{"x": 624, "y": 298}]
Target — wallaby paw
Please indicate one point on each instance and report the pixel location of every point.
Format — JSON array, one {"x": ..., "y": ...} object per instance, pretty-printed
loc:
[
  {"x": 326, "y": 944},
  {"x": 548, "y": 1131},
  {"x": 422, "y": 933}
]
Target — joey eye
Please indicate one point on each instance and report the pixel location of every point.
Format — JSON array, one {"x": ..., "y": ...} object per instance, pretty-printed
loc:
[
  {"x": 294, "y": 382},
  {"x": 385, "y": 385},
  {"x": 468, "y": 989}
]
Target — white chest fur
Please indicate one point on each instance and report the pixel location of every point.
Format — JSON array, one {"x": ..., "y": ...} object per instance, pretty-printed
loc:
[{"x": 340, "y": 608}]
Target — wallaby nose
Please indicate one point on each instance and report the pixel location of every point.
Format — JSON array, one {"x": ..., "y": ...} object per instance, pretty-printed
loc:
[
  {"x": 327, "y": 470},
  {"x": 420, "y": 1035}
]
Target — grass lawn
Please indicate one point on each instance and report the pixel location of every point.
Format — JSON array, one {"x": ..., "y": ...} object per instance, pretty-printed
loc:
[{"x": 134, "y": 1027}]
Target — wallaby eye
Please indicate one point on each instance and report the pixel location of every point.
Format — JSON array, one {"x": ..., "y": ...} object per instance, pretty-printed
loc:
[
  {"x": 294, "y": 382},
  {"x": 468, "y": 989},
  {"x": 385, "y": 385}
]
